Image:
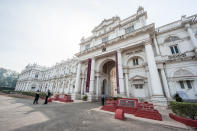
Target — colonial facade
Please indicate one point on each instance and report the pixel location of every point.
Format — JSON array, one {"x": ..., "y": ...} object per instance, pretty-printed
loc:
[
  {"x": 129, "y": 58},
  {"x": 59, "y": 78}
]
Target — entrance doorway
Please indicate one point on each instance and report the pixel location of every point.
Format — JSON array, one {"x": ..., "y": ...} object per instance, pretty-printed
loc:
[
  {"x": 109, "y": 87},
  {"x": 104, "y": 85}
]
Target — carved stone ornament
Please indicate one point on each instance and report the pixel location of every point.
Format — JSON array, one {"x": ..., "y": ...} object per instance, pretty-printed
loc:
[{"x": 103, "y": 49}]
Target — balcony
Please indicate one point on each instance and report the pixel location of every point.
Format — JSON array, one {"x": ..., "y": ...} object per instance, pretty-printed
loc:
[{"x": 176, "y": 57}]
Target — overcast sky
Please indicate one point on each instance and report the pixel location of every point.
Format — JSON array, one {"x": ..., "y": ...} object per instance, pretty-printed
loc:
[{"x": 48, "y": 31}]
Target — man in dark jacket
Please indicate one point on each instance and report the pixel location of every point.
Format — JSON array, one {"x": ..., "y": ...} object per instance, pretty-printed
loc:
[
  {"x": 103, "y": 99},
  {"x": 36, "y": 97},
  {"x": 47, "y": 96}
]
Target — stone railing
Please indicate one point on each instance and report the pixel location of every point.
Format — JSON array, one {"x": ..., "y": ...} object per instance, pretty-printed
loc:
[
  {"x": 180, "y": 56},
  {"x": 169, "y": 27}
]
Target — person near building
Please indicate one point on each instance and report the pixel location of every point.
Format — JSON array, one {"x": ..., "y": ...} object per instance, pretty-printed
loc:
[
  {"x": 103, "y": 99},
  {"x": 36, "y": 97},
  {"x": 48, "y": 94}
]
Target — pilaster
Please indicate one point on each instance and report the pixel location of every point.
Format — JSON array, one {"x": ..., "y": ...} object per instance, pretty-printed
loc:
[
  {"x": 120, "y": 73},
  {"x": 97, "y": 86},
  {"x": 156, "y": 45},
  {"x": 76, "y": 94},
  {"x": 158, "y": 97},
  {"x": 91, "y": 94},
  {"x": 192, "y": 36},
  {"x": 165, "y": 83},
  {"x": 127, "y": 84},
  {"x": 82, "y": 86}
]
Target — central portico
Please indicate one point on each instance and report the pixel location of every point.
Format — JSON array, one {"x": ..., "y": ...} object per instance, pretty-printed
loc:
[
  {"x": 119, "y": 60},
  {"x": 106, "y": 74},
  {"x": 100, "y": 74},
  {"x": 108, "y": 81}
]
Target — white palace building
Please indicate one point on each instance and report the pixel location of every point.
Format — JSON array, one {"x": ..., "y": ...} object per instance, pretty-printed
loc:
[{"x": 126, "y": 58}]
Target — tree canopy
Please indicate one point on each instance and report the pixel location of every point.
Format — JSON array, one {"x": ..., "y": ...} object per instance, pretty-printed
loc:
[{"x": 8, "y": 78}]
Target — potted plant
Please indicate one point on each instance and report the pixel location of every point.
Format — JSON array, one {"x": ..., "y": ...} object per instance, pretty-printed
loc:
[{"x": 84, "y": 98}]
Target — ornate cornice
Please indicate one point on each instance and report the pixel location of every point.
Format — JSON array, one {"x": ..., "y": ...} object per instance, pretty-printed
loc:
[
  {"x": 149, "y": 28},
  {"x": 121, "y": 24},
  {"x": 113, "y": 19},
  {"x": 177, "y": 24},
  {"x": 186, "y": 56},
  {"x": 174, "y": 42}
]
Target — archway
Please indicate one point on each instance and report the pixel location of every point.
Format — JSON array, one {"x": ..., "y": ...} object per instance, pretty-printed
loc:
[{"x": 109, "y": 87}]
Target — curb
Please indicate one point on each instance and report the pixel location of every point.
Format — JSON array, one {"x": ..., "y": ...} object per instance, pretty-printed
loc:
[{"x": 161, "y": 123}]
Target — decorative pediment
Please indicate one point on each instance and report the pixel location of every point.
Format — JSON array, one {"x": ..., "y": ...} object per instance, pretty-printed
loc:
[
  {"x": 182, "y": 73},
  {"x": 137, "y": 77},
  {"x": 171, "y": 39},
  {"x": 105, "y": 23}
]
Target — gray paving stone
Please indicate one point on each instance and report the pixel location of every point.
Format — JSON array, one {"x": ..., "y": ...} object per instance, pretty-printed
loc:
[{"x": 21, "y": 115}]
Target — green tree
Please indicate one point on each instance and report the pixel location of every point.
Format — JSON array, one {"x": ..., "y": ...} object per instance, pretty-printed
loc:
[{"x": 8, "y": 78}]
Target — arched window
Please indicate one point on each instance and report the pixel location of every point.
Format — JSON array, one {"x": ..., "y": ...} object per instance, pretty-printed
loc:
[
  {"x": 171, "y": 38},
  {"x": 182, "y": 76},
  {"x": 135, "y": 61},
  {"x": 36, "y": 75}
]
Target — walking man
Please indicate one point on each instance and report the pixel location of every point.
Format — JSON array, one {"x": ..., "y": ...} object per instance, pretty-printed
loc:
[
  {"x": 36, "y": 97},
  {"x": 47, "y": 96}
]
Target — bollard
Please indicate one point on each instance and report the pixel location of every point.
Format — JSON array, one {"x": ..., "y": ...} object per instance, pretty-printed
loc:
[{"x": 119, "y": 114}]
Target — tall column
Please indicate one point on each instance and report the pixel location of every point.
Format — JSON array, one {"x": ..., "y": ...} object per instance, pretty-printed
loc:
[
  {"x": 82, "y": 86},
  {"x": 120, "y": 73},
  {"x": 149, "y": 83},
  {"x": 21, "y": 87},
  {"x": 192, "y": 36},
  {"x": 55, "y": 87},
  {"x": 156, "y": 45},
  {"x": 24, "y": 86},
  {"x": 165, "y": 83},
  {"x": 91, "y": 90},
  {"x": 194, "y": 86},
  {"x": 77, "y": 82},
  {"x": 28, "y": 86},
  {"x": 69, "y": 86},
  {"x": 63, "y": 87},
  {"x": 16, "y": 88},
  {"x": 97, "y": 86},
  {"x": 58, "y": 87},
  {"x": 158, "y": 98},
  {"x": 127, "y": 84},
  {"x": 52, "y": 86}
]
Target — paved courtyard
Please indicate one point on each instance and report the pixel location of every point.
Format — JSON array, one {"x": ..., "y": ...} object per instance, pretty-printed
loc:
[{"x": 21, "y": 115}]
